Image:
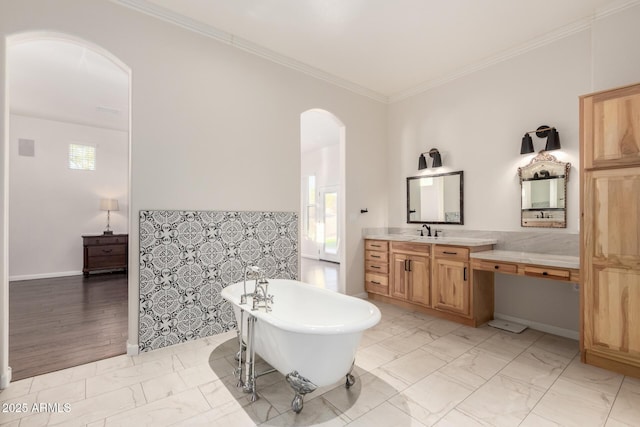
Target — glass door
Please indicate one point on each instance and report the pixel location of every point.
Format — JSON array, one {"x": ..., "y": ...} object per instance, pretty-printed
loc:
[{"x": 330, "y": 244}]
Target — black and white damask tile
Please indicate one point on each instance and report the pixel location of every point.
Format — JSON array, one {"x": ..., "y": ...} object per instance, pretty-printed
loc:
[{"x": 188, "y": 257}]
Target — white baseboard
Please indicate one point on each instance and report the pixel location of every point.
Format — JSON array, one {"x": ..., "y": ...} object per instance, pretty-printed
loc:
[
  {"x": 132, "y": 349},
  {"x": 5, "y": 379},
  {"x": 550, "y": 329},
  {"x": 44, "y": 275}
]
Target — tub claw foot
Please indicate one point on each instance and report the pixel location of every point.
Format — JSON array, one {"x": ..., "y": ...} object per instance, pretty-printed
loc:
[
  {"x": 351, "y": 380},
  {"x": 298, "y": 403},
  {"x": 301, "y": 386}
]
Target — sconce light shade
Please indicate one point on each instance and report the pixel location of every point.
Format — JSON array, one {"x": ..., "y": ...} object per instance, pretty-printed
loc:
[
  {"x": 422, "y": 162},
  {"x": 527, "y": 144},
  {"x": 553, "y": 140},
  {"x": 435, "y": 155}
]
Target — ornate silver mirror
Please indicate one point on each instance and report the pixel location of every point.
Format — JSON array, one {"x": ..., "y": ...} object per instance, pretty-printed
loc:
[{"x": 544, "y": 192}]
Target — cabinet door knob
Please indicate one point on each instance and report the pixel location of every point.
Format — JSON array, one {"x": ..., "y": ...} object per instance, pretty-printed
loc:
[{"x": 496, "y": 267}]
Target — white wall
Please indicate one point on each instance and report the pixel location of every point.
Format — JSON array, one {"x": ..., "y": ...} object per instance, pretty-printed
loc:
[
  {"x": 52, "y": 206},
  {"x": 5, "y": 372},
  {"x": 478, "y": 121},
  {"x": 216, "y": 128}
]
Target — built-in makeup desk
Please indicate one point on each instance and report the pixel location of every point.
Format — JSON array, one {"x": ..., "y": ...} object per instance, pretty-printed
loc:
[{"x": 555, "y": 267}]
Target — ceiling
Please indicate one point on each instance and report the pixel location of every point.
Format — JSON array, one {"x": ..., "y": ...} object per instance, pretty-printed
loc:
[
  {"x": 387, "y": 49},
  {"x": 384, "y": 49},
  {"x": 65, "y": 81}
]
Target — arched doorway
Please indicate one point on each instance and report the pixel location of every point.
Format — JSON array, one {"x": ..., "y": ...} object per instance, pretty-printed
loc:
[
  {"x": 322, "y": 147},
  {"x": 68, "y": 145}
]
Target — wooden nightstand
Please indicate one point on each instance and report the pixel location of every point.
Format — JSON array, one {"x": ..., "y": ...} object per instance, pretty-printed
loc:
[{"x": 105, "y": 252}]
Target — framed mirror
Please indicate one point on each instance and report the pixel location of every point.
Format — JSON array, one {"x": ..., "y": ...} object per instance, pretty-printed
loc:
[
  {"x": 544, "y": 192},
  {"x": 435, "y": 199}
]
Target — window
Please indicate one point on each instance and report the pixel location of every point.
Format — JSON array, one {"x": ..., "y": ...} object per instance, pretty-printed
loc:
[{"x": 82, "y": 157}]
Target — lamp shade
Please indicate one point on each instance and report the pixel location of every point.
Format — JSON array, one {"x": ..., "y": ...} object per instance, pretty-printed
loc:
[
  {"x": 527, "y": 144},
  {"x": 422, "y": 162},
  {"x": 437, "y": 160},
  {"x": 553, "y": 140},
  {"x": 109, "y": 205}
]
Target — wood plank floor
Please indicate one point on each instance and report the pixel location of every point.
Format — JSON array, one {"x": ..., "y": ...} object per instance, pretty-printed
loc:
[{"x": 66, "y": 321}]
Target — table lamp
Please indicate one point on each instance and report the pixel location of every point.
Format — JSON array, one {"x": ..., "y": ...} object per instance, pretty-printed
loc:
[{"x": 108, "y": 205}]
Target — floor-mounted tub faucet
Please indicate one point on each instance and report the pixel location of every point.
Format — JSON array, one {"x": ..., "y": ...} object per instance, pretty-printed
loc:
[
  {"x": 261, "y": 294},
  {"x": 252, "y": 272}
]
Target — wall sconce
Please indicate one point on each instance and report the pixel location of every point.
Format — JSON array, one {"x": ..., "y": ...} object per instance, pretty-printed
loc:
[
  {"x": 434, "y": 154},
  {"x": 108, "y": 205},
  {"x": 544, "y": 131}
]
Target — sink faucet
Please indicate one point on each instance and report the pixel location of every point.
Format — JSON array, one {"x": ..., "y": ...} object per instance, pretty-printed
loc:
[{"x": 428, "y": 229}]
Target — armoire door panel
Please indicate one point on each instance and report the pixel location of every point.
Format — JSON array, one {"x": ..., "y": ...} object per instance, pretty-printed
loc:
[
  {"x": 614, "y": 204},
  {"x": 612, "y": 308},
  {"x": 616, "y": 128}
]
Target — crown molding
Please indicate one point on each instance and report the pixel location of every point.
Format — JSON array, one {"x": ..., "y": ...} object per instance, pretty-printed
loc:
[
  {"x": 227, "y": 38},
  {"x": 250, "y": 47},
  {"x": 566, "y": 31}
]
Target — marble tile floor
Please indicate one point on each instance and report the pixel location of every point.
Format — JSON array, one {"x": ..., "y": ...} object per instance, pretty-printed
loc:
[
  {"x": 323, "y": 274},
  {"x": 411, "y": 370}
]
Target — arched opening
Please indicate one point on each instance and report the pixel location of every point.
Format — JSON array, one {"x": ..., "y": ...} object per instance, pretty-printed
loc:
[
  {"x": 68, "y": 151},
  {"x": 322, "y": 147}
]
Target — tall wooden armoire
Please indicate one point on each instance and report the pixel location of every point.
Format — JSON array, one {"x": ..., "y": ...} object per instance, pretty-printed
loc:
[{"x": 610, "y": 229}]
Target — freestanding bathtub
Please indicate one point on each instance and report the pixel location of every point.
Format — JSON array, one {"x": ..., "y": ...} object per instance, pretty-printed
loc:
[{"x": 310, "y": 334}]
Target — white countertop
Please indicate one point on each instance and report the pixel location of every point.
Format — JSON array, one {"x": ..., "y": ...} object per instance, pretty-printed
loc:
[
  {"x": 455, "y": 241},
  {"x": 563, "y": 261}
]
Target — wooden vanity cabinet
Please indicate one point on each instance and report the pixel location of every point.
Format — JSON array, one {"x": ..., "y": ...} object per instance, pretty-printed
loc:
[
  {"x": 610, "y": 229},
  {"x": 431, "y": 278},
  {"x": 376, "y": 266},
  {"x": 451, "y": 284},
  {"x": 410, "y": 271}
]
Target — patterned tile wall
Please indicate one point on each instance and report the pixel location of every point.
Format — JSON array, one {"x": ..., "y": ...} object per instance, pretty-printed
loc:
[{"x": 188, "y": 257}]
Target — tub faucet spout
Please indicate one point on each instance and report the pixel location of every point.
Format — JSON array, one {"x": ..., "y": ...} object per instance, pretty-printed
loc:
[{"x": 252, "y": 271}]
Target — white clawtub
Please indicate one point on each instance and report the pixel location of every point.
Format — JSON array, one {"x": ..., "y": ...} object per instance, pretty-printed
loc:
[{"x": 309, "y": 331}]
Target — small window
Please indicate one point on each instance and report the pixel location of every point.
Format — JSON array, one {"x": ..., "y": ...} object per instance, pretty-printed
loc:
[{"x": 82, "y": 157}]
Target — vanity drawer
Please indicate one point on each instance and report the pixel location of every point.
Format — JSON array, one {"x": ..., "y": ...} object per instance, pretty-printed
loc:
[
  {"x": 500, "y": 267},
  {"x": 376, "y": 283},
  {"x": 378, "y": 267},
  {"x": 451, "y": 252},
  {"x": 376, "y": 256},
  {"x": 376, "y": 245},
  {"x": 551, "y": 273},
  {"x": 417, "y": 248}
]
